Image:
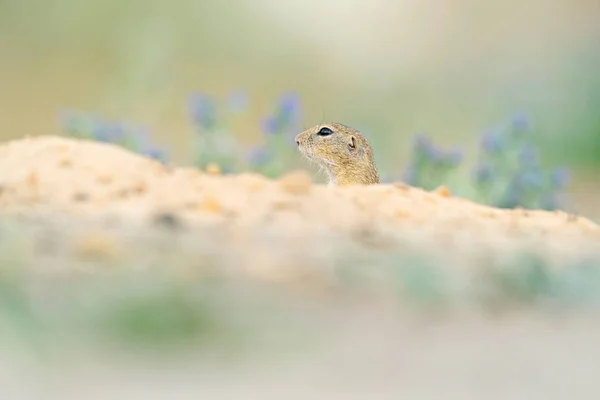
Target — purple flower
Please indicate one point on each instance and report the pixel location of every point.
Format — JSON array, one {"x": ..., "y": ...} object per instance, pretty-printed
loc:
[
  {"x": 423, "y": 146},
  {"x": 110, "y": 132},
  {"x": 289, "y": 103},
  {"x": 560, "y": 177},
  {"x": 100, "y": 130},
  {"x": 156, "y": 153},
  {"x": 425, "y": 149},
  {"x": 203, "y": 110},
  {"x": 528, "y": 156},
  {"x": 286, "y": 116},
  {"x": 270, "y": 126},
  {"x": 288, "y": 111},
  {"x": 257, "y": 156},
  {"x": 491, "y": 142},
  {"x": 520, "y": 123},
  {"x": 453, "y": 157},
  {"x": 484, "y": 173},
  {"x": 531, "y": 179}
]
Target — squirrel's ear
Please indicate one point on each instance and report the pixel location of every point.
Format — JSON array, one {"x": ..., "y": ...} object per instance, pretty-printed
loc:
[{"x": 352, "y": 143}]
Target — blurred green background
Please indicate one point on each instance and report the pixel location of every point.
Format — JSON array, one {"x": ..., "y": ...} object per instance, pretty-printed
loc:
[{"x": 391, "y": 68}]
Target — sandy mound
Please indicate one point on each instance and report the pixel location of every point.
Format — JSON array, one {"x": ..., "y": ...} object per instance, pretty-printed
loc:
[
  {"x": 266, "y": 227},
  {"x": 83, "y": 178}
]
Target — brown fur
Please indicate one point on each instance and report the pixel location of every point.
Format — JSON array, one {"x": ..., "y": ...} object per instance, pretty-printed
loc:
[{"x": 345, "y": 155}]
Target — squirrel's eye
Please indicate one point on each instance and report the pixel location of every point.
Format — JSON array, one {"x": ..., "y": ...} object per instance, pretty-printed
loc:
[{"x": 325, "y": 132}]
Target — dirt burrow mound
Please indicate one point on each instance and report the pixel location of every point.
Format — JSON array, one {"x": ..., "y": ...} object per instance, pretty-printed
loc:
[{"x": 83, "y": 179}]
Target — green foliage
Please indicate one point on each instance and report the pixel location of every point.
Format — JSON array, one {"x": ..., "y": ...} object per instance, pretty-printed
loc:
[
  {"x": 508, "y": 173},
  {"x": 157, "y": 319},
  {"x": 143, "y": 313},
  {"x": 136, "y": 139}
]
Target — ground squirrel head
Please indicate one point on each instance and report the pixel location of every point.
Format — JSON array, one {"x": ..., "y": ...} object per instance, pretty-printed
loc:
[{"x": 344, "y": 153}]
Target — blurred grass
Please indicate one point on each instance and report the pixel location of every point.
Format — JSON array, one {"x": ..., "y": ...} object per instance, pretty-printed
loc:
[
  {"x": 168, "y": 315},
  {"x": 148, "y": 306}
]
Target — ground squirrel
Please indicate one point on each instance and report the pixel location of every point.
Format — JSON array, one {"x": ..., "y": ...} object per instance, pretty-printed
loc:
[{"x": 344, "y": 153}]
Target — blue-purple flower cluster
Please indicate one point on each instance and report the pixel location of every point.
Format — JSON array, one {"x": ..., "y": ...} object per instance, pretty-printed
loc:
[
  {"x": 429, "y": 164},
  {"x": 509, "y": 174},
  {"x": 134, "y": 138},
  {"x": 213, "y": 141},
  {"x": 203, "y": 111},
  {"x": 286, "y": 117},
  {"x": 279, "y": 129}
]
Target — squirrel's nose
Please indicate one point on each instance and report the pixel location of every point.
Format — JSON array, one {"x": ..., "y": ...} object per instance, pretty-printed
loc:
[{"x": 297, "y": 142}]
